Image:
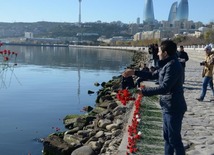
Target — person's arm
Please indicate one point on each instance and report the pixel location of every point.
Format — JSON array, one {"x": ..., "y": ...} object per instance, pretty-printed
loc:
[
  {"x": 144, "y": 74},
  {"x": 210, "y": 61},
  {"x": 170, "y": 78},
  {"x": 186, "y": 57},
  {"x": 147, "y": 75},
  {"x": 128, "y": 72}
]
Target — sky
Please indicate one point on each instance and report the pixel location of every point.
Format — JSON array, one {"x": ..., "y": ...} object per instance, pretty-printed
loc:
[{"x": 126, "y": 11}]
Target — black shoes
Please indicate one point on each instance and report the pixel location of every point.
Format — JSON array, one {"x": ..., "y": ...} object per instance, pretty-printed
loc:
[
  {"x": 212, "y": 99},
  {"x": 199, "y": 99}
]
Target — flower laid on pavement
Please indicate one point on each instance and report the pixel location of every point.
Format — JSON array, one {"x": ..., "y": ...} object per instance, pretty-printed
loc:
[
  {"x": 133, "y": 134},
  {"x": 124, "y": 96}
]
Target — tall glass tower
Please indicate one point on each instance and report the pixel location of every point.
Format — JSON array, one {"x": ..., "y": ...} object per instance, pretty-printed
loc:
[
  {"x": 173, "y": 13},
  {"x": 149, "y": 11},
  {"x": 183, "y": 10}
]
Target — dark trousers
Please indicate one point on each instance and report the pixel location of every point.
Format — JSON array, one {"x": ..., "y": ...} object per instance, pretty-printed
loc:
[
  {"x": 206, "y": 81},
  {"x": 172, "y": 134}
]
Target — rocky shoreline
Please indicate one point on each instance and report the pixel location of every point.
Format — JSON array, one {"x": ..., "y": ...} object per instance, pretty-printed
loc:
[{"x": 100, "y": 130}]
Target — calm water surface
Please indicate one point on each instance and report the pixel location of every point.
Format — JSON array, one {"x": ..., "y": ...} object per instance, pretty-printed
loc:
[{"x": 47, "y": 84}]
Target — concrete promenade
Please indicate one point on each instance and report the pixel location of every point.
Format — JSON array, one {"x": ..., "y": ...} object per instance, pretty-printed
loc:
[
  {"x": 132, "y": 48},
  {"x": 198, "y": 123}
]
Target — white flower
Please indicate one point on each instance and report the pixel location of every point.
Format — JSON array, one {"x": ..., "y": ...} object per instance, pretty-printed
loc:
[{"x": 139, "y": 133}]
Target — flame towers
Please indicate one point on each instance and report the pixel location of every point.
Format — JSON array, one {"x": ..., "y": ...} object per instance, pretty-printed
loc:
[
  {"x": 179, "y": 12},
  {"x": 149, "y": 11},
  {"x": 183, "y": 10},
  {"x": 173, "y": 12}
]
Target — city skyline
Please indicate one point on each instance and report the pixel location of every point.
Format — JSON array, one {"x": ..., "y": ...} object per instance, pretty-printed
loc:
[{"x": 125, "y": 11}]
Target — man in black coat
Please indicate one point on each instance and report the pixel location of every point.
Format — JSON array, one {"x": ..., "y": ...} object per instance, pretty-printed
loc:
[
  {"x": 171, "y": 93},
  {"x": 183, "y": 58},
  {"x": 155, "y": 55}
]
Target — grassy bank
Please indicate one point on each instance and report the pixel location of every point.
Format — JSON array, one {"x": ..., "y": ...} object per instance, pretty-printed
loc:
[{"x": 151, "y": 127}]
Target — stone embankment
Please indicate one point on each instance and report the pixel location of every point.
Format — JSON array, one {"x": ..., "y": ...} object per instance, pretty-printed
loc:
[
  {"x": 127, "y": 48},
  {"x": 96, "y": 133}
]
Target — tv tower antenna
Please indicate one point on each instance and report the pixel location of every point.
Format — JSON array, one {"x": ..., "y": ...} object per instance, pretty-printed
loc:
[{"x": 80, "y": 11}]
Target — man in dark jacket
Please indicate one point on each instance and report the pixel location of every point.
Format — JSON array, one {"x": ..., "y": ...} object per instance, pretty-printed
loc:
[
  {"x": 171, "y": 94},
  {"x": 155, "y": 55},
  {"x": 183, "y": 58}
]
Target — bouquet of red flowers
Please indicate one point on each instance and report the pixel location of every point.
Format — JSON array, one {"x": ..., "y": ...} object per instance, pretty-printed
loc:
[{"x": 124, "y": 96}]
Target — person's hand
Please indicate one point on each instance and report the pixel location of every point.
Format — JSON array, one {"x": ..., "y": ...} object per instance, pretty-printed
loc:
[
  {"x": 202, "y": 63},
  {"x": 181, "y": 60},
  {"x": 128, "y": 72},
  {"x": 139, "y": 92}
]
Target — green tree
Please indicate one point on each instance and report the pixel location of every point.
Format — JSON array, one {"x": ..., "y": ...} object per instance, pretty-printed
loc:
[{"x": 209, "y": 36}]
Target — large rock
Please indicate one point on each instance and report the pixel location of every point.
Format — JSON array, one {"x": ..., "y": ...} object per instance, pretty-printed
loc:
[
  {"x": 84, "y": 150},
  {"x": 112, "y": 127},
  {"x": 71, "y": 139},
  {"x": 80, "y": 122},
  {"x": 103, "y": 123},
  {"x": 54, "y": 145}
]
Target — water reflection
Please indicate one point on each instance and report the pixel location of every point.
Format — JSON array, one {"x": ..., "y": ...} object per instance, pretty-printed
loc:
[
  {"x": 6, "y": 75},
  {"x": 97, "y": 59}
]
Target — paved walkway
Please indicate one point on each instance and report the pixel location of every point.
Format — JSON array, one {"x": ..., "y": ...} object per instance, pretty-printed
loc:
[{"x": 198, "y": 123}]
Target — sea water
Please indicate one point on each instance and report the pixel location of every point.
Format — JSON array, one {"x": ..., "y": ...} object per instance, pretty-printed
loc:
[{"x": 47, "y": 84}]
